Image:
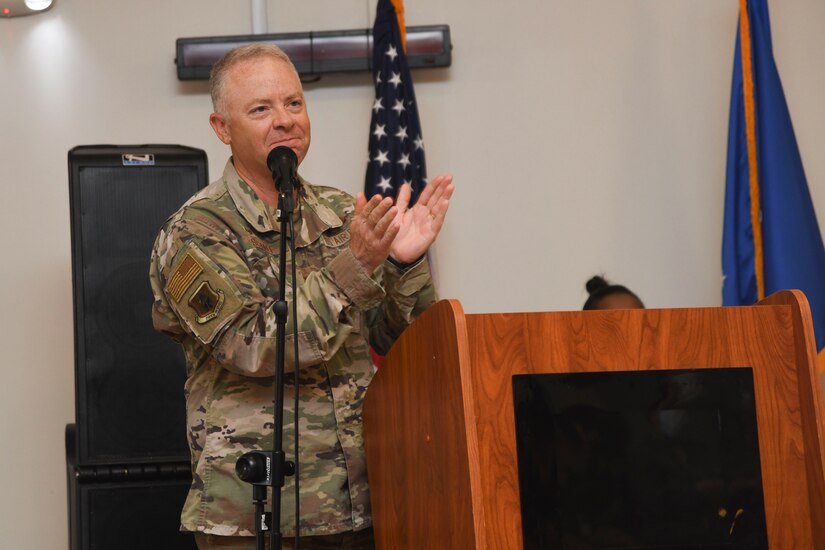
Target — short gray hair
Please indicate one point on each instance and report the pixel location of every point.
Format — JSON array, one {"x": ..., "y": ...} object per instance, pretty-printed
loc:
[{"x": 217, "y": 77}]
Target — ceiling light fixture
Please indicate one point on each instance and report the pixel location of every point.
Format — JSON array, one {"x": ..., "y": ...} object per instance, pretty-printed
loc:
[
  {"x": 17, "y": 8},
  {"x": 38, "y": 5}
]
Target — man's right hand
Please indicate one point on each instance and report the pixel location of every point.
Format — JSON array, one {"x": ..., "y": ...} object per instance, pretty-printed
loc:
[{"x": 373, "y": 230}]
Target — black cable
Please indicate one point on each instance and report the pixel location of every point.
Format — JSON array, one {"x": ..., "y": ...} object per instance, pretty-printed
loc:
[{"x": 295, "y": 382}]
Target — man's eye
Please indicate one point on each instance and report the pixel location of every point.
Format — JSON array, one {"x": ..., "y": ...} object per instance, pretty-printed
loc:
[{"x": 259, "y": 109}]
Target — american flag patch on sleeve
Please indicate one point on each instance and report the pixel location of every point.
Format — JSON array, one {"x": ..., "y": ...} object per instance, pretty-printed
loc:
[{"x": 183, "y": 277}]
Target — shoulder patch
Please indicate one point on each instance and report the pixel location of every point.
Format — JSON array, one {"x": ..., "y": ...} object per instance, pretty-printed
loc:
[
  {"x": 207, "y": 302},
  {"x": 183, "y": 277},
  {"x": 203, "y": 294}
]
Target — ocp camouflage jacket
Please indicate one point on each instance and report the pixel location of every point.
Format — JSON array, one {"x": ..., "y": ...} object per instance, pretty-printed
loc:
[{"x": 214, "y": 275}]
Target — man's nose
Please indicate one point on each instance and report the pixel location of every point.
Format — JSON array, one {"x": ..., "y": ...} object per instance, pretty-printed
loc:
[{"x": 282, "y": 119}]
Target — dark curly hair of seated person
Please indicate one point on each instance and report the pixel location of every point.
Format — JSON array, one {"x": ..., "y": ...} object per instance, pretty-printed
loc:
[{"x": 604, "y": 295}]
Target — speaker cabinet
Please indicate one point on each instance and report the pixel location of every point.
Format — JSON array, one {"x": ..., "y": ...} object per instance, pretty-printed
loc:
[
  {"x": 126, "y": 508},
  {"x": 129, "y": 378},
  {"x": 133, "y": 515}
]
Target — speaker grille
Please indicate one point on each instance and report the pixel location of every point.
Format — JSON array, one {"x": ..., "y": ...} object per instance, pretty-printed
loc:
[
  {"x": 129, "y": 378},
  {"x": 133, "y": 516}
]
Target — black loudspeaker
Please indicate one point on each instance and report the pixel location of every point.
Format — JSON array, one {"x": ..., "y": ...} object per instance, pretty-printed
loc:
[
  {"x": 127, "y": 457},
  {"x": 133, "y": 515},
  {"x": 133, "y": 508},
  {"x": 129, "y": 378}
]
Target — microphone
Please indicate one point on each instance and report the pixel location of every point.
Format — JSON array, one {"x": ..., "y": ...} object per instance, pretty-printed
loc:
[{"x": 282, "y": 162}]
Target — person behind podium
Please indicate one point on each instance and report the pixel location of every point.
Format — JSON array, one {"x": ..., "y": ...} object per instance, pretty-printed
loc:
[
  {"x": 362, "y": 277},
  {"x": 605, "y": 295}
]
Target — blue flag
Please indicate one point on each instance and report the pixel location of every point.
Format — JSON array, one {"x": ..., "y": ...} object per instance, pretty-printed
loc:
[
  {"x": 396, "y": 145},
  {"x": 771, "y": 238}
]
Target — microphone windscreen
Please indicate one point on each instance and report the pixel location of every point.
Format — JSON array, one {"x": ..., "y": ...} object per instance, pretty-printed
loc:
[{"x": 281, "y": 157}]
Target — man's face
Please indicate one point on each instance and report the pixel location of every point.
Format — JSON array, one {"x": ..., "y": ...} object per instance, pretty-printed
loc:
[{"x": 263, "y": 107}]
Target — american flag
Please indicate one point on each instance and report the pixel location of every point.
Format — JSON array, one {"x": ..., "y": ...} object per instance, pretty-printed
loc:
[{"x": 396, "y": 145}]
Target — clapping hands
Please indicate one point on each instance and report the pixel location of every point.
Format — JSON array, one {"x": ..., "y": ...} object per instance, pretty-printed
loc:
[{"x": 381, "y": 228}]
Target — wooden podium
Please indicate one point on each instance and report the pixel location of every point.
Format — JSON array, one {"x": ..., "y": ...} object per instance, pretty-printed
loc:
[{"x": 439, "y": 418}]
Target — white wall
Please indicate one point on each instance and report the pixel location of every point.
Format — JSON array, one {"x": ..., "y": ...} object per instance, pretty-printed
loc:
[{"x": 585, "y": 136}]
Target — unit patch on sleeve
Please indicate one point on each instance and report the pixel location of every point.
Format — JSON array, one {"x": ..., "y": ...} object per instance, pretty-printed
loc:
[
  {"x": 183, "y": 277},
  {"x": 207, "y": 302},
  {"x": 202, "y": 293}
]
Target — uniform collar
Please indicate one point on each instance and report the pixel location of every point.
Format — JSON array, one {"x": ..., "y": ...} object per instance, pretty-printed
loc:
[{"x": 311, "y": 217}]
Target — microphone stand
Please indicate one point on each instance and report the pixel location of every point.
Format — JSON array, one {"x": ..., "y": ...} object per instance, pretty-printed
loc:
[
  {"x": 268, "y": 468},
  {"x": 280, "y": 467}
]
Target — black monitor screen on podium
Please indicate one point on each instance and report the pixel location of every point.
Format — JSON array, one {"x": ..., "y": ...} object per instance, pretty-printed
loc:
[{"x": 663, "y": 459}]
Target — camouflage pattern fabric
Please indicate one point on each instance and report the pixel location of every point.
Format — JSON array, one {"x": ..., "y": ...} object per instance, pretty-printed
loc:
[{"x": 214, "y": 275}]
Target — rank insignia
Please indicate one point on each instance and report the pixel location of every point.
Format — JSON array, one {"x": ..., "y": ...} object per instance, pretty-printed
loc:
[{"x": 207, "y": 302}]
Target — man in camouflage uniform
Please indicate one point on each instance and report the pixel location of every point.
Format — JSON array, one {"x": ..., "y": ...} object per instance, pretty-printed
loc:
[{"x": 362, "y": 276}]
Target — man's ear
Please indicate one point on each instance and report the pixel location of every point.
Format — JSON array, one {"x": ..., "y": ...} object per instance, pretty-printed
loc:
[{"x": 221, "y": 127}]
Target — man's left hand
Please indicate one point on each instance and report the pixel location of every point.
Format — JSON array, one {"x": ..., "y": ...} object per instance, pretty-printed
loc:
[{"x": 419, "y": 224}]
